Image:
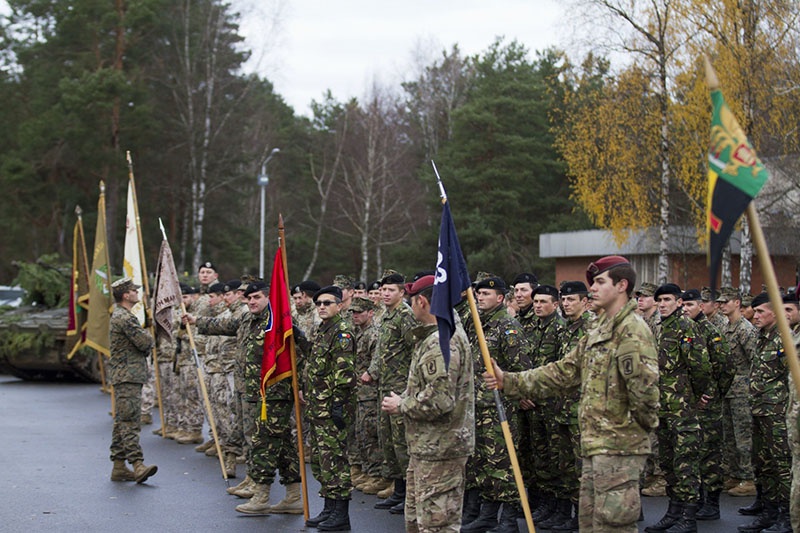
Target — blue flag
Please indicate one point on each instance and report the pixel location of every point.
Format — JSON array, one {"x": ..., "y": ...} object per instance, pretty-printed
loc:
[{"x": 452, "y": 279}]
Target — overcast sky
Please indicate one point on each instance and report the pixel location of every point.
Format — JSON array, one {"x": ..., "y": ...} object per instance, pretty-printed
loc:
[{"x": 307, "y": 46}]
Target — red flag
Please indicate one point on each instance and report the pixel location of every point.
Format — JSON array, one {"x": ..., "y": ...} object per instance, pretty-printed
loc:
[{"x": 276, "y": 363}]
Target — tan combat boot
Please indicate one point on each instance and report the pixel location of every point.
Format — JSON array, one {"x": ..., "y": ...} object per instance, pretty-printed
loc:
[
  {"x": 141, "y": 471},
  {"x": 243, "y": 489},
  {"x": 159, "y": 430},
  {"x": 206, "y": 445},
  {"x": 292, "y": 503},
  {"x": 259, "y": 503},
  {"x": 356, "y": 475},
  {"x": 745, "y": 487},
  {"x": 194, "y": 437},
  {"x": 212, "y": 451},
  {"x": 375, "y": 485},
  {"x": 388, "y": 491},
  {"x": 146, "y": 419},
  {"x": 120, "y": 472},
  {"x": 230, "y": 465}
]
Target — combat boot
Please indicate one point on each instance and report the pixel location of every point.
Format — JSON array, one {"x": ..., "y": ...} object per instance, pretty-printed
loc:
[
  {"x": 783, "y": 524},
  {"x": 710, "y": 507},
  {"x": 686, "y": 523},
  {"x": 571, "y": 524},
  {"x": 120, "y": 472},
  {"x": 141, "y": 471},
  {"x": 386, "y": 492},
  {"x": 146, "y": 419},
  {"x": 398, "y": 496},
  {"x": 508, "y": 520},
  {"x": 674, "y": 512},
  {"x": 767, "y": 518},
  {"x": 375, "y": 485},
  {"x": 230, "y": 465},
  {"x": 212, "y": 451},
  {"x": 756, "y": 507},
  {"x": 745, "y": 487},
  {"x": 547, "y": 506},
  {"x": 259, "y": 503},
  {"x": 292, "y": 503},
  {"x": 339, "y": 519},
  {"x": 189, "y": 437},
  {"x": 356, "y": 475},
  {"x": 246, "y": 484},
  {"x": 562, "y": 512},
  {"x": 160, "y": 430},
  {"x": 472, "y": 506},
  {"x": 203, "y": 447},
  {"x": 326, "y": 512},
  {"x": 487, "y": 519}
]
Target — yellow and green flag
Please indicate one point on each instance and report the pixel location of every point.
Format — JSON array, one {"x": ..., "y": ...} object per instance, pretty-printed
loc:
[{"x": 100, "y": 300}]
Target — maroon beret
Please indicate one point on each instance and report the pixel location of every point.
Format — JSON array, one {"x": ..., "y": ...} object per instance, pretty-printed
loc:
[
  {"x": 604, "y": 263},
  {"x": 412, "y": 289}
]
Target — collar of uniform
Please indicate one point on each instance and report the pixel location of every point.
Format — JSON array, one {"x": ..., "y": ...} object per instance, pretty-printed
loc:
[
  {"x": 422, "y": 331},
  {"x": 491, "y": 313}
]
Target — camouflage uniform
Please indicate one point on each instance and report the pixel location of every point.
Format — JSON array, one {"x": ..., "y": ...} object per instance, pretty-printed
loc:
[
  {"x": 364, "y": 448},
  {"x": 527, "y": 319},
  {"x": 489, "y": 468},
  {"x": 769, "y": 396},
  {"x": 654, "y": 323},
  {"x": 793, "y": 433},
  {"x": 190, "y": 408},
  {"x": 218, "y": 363},
  {"x": 330, "y": 404},
  {"x": 149, "y": 390},
  {"x": 684, "y": 376},
  {"x": 389, "y": 366},
  {"x": 439, "y": 410},
  {"x": 129, "y": 346},
  {"x": 616, "y": 368},
  {"x": 307, "y": 319},
  {"x": 737, "y": 419},
  {"x": 168, "y": 376}
]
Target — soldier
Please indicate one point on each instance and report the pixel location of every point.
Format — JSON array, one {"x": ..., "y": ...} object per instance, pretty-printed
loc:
[
  {"x": 711, "y": 309},
  {"x": 190, "y": 410},
  {"x": 616, "y": 368},
  {"x": 654, "y": 483},
  {"x": 646, "y": 306},
  {"x": 439, "y": 411},
  {"x": 129, "y": 345},
  {"x": 793, "y": 434},
  {"x": 305, "y": 316},
  {"x": 170, "y": 393},
  {"x": 747, "y": 308},
  {"x": 490, "y": 481},
  {"x": 374, "y": 294},
  {"x": 685, "y": 385},
  {"x": 330, "y": 402},
  {"x": 711, "y": 467},
  {"x": 737, "y": 419},
  {"x": 345, "y": 283},
  {"x": 769, "y": 396},
  {"x": 359, "y": 289},
  {"x": 792, "y": 309},
  {"x": 207, "y": 275},
  {"x": 389, "y": 367}
]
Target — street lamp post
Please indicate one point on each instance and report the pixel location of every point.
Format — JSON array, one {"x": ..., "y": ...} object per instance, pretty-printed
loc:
[{"x": 263, "y": 181}]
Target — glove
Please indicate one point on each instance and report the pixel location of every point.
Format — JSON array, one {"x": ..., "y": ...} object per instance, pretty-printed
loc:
[{"x": 337, "y": 415}]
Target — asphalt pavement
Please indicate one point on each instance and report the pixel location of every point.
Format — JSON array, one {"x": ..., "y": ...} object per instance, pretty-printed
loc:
[{"x": 54, "y": 440}]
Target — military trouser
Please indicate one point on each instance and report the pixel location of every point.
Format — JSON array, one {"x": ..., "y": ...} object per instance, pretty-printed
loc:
[
  {"x": 170, "y": 395},
  {"x": 771, "y": 456},
  {"x": 544, "y": 447},
  {"x": 712, "y": 475},
  {"x": 434, "y": 495},
  {"x": 127, "y": 423},
  {"x": 392, "y": 437},
  {"x": 370, "y": 455},
  {"x": 149, "y": 389},
  {"x": 569, "y": 460},
  {"x": 525, "y": 449},
  {"x": 793, "y": 434},
  {"x": 249, "y": 413},
  {"x": 489, "y": 468},
  {"x": 274, "y": 448},
  {"x": 737, "y": 430},
  {"x": 609, "y": 493},
  {"x": 679, "y": 440},
  {"x": 190, "y": 409},
  {"x": 220, "y": 396},
  {"x": 329, "y": 458}
]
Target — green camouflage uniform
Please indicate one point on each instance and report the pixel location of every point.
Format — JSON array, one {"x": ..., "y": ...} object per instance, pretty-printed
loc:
[
  {"x": 330, "y": 404},
  {"x": 769, "y": 396},
  {"x": 737, "y": 419},
  {"x": 439, "y": 411},
  {"x": 364, "y": 448},
  {"x": 489, "y": 469},
  {"x": 129, "y": 345},
  {"x": 684, "y": 376},
  {"x": 389, "y": 366},
  {"x": 616, "y": 368},
  {"x": 527, "y": 319}
]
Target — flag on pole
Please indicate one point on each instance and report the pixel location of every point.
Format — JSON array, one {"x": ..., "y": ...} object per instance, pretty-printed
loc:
[
  {"x": 99, "y": 284},
  {"x": 735, "y": 176},
  {"x": 79, "y": 291},
  {"x": 452, "y": 279},
  {"x": 132, "y": 261},
  {"x": 276, "y": 363},
  {"x": 167, "y": 288}
]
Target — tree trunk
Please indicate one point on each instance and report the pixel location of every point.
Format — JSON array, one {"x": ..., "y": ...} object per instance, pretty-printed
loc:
[{"x": 746, "y": 259}]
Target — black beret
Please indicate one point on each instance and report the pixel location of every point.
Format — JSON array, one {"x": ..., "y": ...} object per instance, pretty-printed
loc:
[
  {"x": 760, "y": 299},
  {"x": 668, "y": 288},
  {"x": 491, "y": 283},
  {"x": 188, "y": 289},
  {"x": 309, "y": 287},
  {"x": 526, "y": 277},
  {"x": 573, "y": 287},
  {"x": 207, "y": 264},
  {"x": 422, "y": 274},
  {"x": 375, "y": 285},
  {"x": 393, "y": 279},
  {"x": 790, "y": 298},
  {"x": 256, "y": 286},
  {"x": 232, "y": 285},
  {"x": 604, "y": 263},
  {"x": 691, "y": 295},
  {"x": 329, "y": 289},
  {"x": 360, "y": 286},
  {"x": 216, "y": 288},
  {"x": 547, "y": 289}
]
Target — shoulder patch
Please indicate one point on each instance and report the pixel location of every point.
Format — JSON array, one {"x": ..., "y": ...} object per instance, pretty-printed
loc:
[
  {"x": 626, "y": 365},
  {"x": 431, "y": 367}
]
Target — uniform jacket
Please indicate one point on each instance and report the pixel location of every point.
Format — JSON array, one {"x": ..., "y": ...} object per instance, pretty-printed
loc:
[
  {"x": 129, "y": 344},
  {"x": 330, "y": 372}
]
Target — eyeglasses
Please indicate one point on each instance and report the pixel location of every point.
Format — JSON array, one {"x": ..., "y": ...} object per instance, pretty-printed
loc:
[{"x": 326, "y": 303}]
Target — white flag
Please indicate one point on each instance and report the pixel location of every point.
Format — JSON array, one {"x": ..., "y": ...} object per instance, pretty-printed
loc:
[{"x": 132, "y": 263}]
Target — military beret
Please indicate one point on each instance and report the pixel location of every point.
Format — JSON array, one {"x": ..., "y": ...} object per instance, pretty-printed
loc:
[
  {"x": 121, "y": 286},
  {"x": 526, "y": 277},
  {"x": 573, "y": 287},
  {"x": 392, "y": 277},
  {"x": 491, "y": 283},
  {"x": 604, "y": 263},
  {"x": 420, "y": 285},
  {"x": 760, "y": 299},
  {"x": 307, "y": 286},
  {"x": 216, "y": 288},
  {"x": 329, "y": 289},
  {"x": 207, "y": 264},
  {"x": 359, "y": 304},
  {"x": 422, "y": 274},
  {"x": 360, "y": 286},
  {"x": 547, "y": 289},
  {"x": 727, "y": 294},
  {"x": 668, "y": 288},
  {"x": 747, "y": 300},
  {"x": 375, "y": 285},
  {"x": 232, "y": 285},
  {"x": 790, "y": 298},
  {"x": 343, "y": 282},
  {"x": 188, "y": 289},
  {"x": 256, "y": 286},
  {"x": 691, "y": 295},
  {"x": 647, "y": 289}
]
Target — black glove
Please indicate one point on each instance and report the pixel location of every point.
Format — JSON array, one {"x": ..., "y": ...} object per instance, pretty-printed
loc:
[{"x": 337, "y": 415}]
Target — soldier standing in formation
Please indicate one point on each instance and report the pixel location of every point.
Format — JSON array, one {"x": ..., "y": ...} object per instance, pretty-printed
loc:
[
  {"x": 190, "y": 410},
  {"x": 305, "y": 316}
]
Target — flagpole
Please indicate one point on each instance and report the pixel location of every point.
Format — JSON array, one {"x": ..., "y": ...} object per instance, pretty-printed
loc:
[
  {"x": 295, "y": 385},
  {"x": 146, "y": 286},
  {"x": 501, "y": 412},
  {"x": 108, "y": 286}
]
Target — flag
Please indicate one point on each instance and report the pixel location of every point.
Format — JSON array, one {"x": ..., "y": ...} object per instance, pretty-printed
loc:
[
  {"x": 735, "y": 176},
  {"x": 276, "y": 363},
  {"x": 79, "y": 291},
  {"x": 132, "y": 261},
  {"x": 452, "y": 279},
  {"x": 167, "y": 290},
  {"x": 99, "y": 284}
]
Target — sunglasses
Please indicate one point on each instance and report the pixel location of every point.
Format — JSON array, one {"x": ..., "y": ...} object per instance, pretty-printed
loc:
[{"x": 326, "y": 303}]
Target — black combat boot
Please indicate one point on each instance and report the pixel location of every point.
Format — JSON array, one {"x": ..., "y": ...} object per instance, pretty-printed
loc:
[
  {"x": 568, "y": 525},
  {"x": 710, "y": 507},
  {"x": 322, "y": 516},
  {"x": 546, "y": 507},
  {"x": 767, "y": 518},
  {"x": 398, "y": 496},
  {"x": 756, "y": 507},
  {"x": 674, "y": 512},
  {"x": 339, "y": 520},
  {"x": 686, "y": 523},
  {"x": 783, "y": 524},
  {"x": 508, "y": 519},
  {"x": 487, "y": 519},
  {"x": 472, "y": 506},
  {"x": 562, "y": 512}
]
